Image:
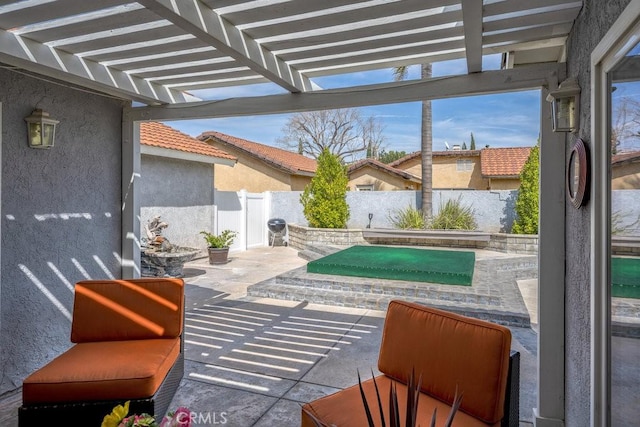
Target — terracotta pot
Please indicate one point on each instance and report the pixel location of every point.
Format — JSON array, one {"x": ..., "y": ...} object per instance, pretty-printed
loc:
[{"x": 218, "y": 255}]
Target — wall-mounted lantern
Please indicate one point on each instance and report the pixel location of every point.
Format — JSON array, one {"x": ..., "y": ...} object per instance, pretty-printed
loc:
[
  {"x": 41, "y": 129},
  {"x": 565, "y": 105}
]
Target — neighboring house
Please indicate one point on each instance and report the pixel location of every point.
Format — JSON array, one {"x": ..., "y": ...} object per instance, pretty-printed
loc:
[
  {"x": 260, "y": 167},
  {"x": 452, "y": 169},
  {"x": 177, "y": 180},
  {"x": 373, "y": 175},
  {"x": 485, "y": 169},
  {"x": 501, "y": 167},
  {"x": 625, "y": 171}
]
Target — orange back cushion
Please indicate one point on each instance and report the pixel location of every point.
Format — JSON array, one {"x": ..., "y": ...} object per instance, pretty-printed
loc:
[
  {"x": 115, "y": 310},
  {"x": 449, "y": 351}
]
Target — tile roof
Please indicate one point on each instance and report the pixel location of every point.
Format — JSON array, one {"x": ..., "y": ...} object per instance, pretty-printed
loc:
[
  {"x": 503, "y": 162},
  {"x": 447, "y": 153},
  {"x": 628, "y": 157},
  {"x": 384, "y": 167},
  {"x": 291, "y": 162},
  {"x": 159, "y": 135}
]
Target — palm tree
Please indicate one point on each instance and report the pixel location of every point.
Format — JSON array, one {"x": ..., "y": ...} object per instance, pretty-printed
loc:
[{"x": 426, "y": 140}]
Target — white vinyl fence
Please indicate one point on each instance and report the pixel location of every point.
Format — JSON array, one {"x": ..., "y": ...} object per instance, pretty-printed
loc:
[
  {"x": 242, "y": 212},
  {"x": 248, "y": 213}
]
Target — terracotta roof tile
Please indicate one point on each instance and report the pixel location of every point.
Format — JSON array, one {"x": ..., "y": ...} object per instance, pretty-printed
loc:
[
  {"x": 447, "y": 153},
  {"x": 626, "y": 157},
  {"x": 293, "y": 162},
  {"x": 160, "y": 135},
  {"x": 503, "y": 162},
  {"x": 379, "y": 165},
  {"x": 406, "y": 158}
]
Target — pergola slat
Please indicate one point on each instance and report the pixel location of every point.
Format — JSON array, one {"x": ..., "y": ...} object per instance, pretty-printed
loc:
[
  {"x": 212, "y": 28},
  {"x": 218, "y": 43},
  {"x": 57, "y": 63}
]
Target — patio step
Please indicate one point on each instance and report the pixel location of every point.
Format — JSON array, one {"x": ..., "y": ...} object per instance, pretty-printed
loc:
[
  {"x": 379, "y": 301},
  {"x": 493, "y": 296},
  {"x": 360, "y": 286}
]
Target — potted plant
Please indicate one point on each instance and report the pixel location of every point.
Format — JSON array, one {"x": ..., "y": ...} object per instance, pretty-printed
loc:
[{"x": 218, "y": 245}]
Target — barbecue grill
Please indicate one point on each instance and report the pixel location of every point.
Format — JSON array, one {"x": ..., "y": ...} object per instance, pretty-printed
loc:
[{"x": 278, "y": 228}]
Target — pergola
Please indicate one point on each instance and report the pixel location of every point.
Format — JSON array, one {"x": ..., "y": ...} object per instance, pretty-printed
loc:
[{"x": 156, "y": 52}]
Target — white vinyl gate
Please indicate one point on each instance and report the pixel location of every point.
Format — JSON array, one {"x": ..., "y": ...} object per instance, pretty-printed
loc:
[{"x": 245, "y": 213}]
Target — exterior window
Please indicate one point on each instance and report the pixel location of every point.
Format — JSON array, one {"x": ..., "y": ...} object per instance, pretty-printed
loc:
[
  {"x": 464, "y": 165},
  {"x": 368, "y": 187}
]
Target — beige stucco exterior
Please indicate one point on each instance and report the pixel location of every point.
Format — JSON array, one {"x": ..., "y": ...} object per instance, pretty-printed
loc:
[
  {"x": 412, "y": 166},
  {"x": 447, "y": 173},
  {"x": 625, "y": 176},
  {"x": 504, "y": 183},
  {"x": 255, "y": 175},
  {"x": 380, "y": 180}
]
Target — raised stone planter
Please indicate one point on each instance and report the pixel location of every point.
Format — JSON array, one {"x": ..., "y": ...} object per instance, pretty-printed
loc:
[
  {"x": 304, "y": 238},
  {"x": 165, "y": 264}
]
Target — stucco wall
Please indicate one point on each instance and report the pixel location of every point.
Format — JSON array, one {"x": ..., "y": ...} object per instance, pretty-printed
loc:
[
  {"x": 493, "y": 210},
  {"x": 380, "y": 180},
  {"x": 61, "y": 216},
  {"x": 504, "y": 183},
  {"x": 181, "y": 192},
  {"x": 253, "y": 175},
  {"x": 594, "y": 21},
  {"x": 625, "y": 176},
  {"x": 446, "y": 174}
]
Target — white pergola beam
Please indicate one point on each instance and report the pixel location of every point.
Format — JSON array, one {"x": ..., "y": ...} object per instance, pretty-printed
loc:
[
  {"x": 210, "y": 27},
  {"x": 472, "y": 24},
  {"x": 522, "y": 78},
  {"x": 39, "y": 58}
]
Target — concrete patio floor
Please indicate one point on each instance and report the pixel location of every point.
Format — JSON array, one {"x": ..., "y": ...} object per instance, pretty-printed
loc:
[{"x": 253, "y": 361}]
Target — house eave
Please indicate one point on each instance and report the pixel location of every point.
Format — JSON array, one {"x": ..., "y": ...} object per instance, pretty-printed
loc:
[{"x": 184, "y": 155}]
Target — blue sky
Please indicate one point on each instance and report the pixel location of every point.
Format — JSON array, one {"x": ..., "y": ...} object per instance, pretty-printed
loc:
[{"x": 502, "y": 120}]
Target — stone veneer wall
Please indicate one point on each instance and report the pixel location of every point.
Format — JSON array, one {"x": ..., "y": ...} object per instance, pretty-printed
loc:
[{"x": 304, "y": 238}]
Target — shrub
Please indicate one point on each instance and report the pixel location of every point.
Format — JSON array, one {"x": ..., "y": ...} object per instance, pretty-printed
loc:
[
  {"x": 324, "y": 200},
  {"x": 527, "y": 202},
  {"x": 409, "y": 218},
  {"x": 454, "y": 216}
]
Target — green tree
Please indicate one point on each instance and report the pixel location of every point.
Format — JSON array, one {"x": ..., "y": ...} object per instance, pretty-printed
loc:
[
  {"x": 527, "y": 203},
  {"x": 464, "y": 145},
  {"x": 387, "y": 157},
  {"x": 324, "y": 199},
  {"x": 472, "y": 144}
]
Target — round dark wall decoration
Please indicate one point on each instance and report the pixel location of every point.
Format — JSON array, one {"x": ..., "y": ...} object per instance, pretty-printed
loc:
[{"x": 578, "y": 174}]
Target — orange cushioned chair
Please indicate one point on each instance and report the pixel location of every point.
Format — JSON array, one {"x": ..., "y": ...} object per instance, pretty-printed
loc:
[
  {"x": 449, "y": 351},
  {"x": 128, "y": 346}
]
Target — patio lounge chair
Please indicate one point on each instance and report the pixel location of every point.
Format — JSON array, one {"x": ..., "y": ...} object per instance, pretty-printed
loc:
[
  {"x": 450, "y": 352},
  {"x": 128, "y": 346}
]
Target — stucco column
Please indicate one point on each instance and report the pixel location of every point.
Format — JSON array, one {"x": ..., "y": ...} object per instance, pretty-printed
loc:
[
  {"x": 551, "y": 272},
  {"x": 130, "y": 208}
]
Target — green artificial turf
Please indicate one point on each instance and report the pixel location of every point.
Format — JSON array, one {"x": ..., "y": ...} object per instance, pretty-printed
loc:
[
  {"x": 399, "y": 263},
  {"x": 625, "y": 277}
]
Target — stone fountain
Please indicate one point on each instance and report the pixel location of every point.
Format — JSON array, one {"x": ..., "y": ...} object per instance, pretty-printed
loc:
[{"x": 160, "y": 258}]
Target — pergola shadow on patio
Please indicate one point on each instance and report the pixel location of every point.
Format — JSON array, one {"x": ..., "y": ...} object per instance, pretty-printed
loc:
[
  {"x": 254, "y": 361},
  {"x": 90, "y": 61}
]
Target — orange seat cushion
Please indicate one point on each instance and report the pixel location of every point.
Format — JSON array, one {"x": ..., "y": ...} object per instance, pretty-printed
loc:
[
  {"x": 346, "y": 409},
  {"x": 449, "y": 351},
  {"x": 103, "y": 371},
  {"x": 114, "y": 310}
]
